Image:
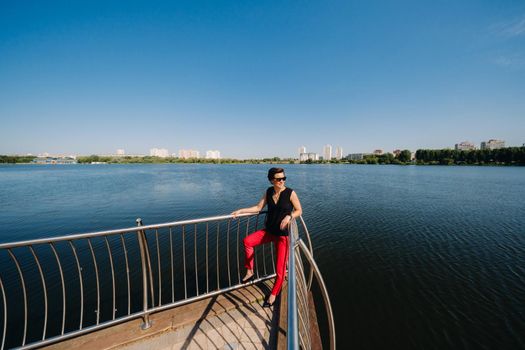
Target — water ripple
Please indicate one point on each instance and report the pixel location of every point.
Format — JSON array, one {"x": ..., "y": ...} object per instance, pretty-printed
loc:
[{"x": 414, "y": 257}]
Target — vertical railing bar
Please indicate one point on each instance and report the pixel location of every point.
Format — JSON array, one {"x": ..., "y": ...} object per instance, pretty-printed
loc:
[
  {"x": 256, "y": 222},
  {"x": 171, "y": 265},
  {"x": 302, "y": 294},
  {"x": 79, "y": 269},
  {"x": 148, "y": 261},
  {"x": 302, "y": 345},
  {"x": 264, "y": 258},
  {"x": 306, "y": 327},
  {"x": 306, "y": 330},
  {"x": 300, "y": 268},
  {"x": 263, "y": 250},
  {"x": 299, "y": 277},
  {"x": 184, "y": 261},
  {"x": 44, "y": 288},
  {"x": 24, "y": 290},
  {"x": 217, "y": 255},
  {"x": 302, "y": 291},
  {"x": 307, "y": 234},
  {"x": 301, "y": 298},
  {"x": 195, "y": 254},
  {"x": 256, "y": 265},
  {"x": 273, "y": 257},
  {"x": 96, "y": 276},
  {"x": 303, "y": 310},
  {"x": 228, "y": 252},
  {"x": 127, "y": 271},
  {"x": 207, "y": 277},
  {"x": 302, "y": 321},
  {"x": 238, "y": 265},
  {"x": 112, "y": 275},
  {"x": 5, "y": 314},
  {"x": 144, "y": 267},
  {"x": 158, "y": 265},
  {"x": 63, "y": 287}
]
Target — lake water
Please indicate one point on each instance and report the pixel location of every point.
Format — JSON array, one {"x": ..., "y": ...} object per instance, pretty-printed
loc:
[{"x": 414, "y": 257}]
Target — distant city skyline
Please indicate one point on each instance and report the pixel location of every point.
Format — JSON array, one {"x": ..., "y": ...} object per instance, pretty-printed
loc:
[
  {"x": 301, "y": 153},
  {"x": 257, "y": 80}
]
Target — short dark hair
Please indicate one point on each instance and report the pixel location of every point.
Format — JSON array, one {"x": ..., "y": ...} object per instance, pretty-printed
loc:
[{"x": 273, "y": 171}]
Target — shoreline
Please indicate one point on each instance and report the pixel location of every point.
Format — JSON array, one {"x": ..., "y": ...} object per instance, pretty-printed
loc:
[{"x": 268, "y": 163}]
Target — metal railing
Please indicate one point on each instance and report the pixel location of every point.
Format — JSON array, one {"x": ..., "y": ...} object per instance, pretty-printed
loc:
[
  {"x": 57, "y": 288},
  {"x": 299, "y": 286}
]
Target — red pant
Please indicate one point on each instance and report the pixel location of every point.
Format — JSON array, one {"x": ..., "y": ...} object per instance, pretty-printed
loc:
[{"x": 281, "y": 247}]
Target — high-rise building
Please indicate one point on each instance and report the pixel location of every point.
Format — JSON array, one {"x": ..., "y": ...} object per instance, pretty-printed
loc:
[
  {"x": 159, "y": 152},
  {"x": 188, "y": 153},
  {"x": 213, "y": 154},
  {"x": 303, "y": 157},
  {"x": 327, "y": 152},
  {"x": 492, "y": 144},
  {"x": 465, "y": 146},
  {"x": 339, "y": 153},
  {"x": 378, "y": 152},
  {"x": 302, "y": 149},
  {"x": 120, "y": 152}
]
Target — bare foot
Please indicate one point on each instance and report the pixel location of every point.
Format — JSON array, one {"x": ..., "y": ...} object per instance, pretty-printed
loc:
[{"x": 248, "y": 276}]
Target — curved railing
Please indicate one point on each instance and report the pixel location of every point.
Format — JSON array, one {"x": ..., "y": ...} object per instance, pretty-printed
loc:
[
  {"x": 53, "y": 289},
  {"x": 299, "y": 334},
  {"x": 57, "y": 288}
]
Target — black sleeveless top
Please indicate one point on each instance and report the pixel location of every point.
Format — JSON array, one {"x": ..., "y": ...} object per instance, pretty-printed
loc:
[{"x": 277, "y": 211}]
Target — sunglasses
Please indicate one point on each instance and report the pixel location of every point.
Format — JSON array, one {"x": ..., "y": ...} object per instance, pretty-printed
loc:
[{"x": 279, "y": 179}]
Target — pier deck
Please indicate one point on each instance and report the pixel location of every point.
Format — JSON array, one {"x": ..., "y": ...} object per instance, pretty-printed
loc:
[{"x": 234, "y": 320}]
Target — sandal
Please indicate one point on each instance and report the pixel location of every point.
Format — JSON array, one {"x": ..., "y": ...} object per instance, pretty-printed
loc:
[{"x": 267, "y": 304}]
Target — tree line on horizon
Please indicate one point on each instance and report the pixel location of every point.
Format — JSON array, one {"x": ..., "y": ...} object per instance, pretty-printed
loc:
[
  {"x": 16, "y": 159},
  {"x": 167, "y": 160},
  {"x": 500, "y": 156}
]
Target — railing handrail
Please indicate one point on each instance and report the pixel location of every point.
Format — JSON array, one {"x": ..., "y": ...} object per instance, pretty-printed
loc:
[
  {"x": 324, "y": 292},
  {"x": 295, "y": 270},
  {"x": 295, "y": 242},
  {"x": 118, "y": 231},
  {"x": 292, "y": 334}
]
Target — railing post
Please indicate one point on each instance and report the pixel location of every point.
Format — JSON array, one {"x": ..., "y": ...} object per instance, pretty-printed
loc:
[
  {"x": 292, "y": 332},
  {"x": 142, "y": 246}
]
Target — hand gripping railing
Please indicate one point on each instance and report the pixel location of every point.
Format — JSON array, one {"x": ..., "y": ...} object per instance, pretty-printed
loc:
[
  {"x": 56, "y": 288},
  {"x": 299, "y": 331}
]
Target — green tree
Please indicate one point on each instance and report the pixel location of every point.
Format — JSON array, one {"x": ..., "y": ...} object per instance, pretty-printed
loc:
[{"x": 405, "y": 156}]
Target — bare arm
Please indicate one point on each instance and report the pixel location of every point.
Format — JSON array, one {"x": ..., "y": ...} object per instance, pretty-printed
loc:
[
  {"x": 297, "y": 210},
  {"x": 251, "y": 210}
]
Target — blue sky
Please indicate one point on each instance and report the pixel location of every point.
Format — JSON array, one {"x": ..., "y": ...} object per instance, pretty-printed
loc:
[{"x": 256, "y": 79}]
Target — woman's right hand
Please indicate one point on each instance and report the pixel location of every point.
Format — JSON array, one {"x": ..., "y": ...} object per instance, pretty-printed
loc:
[{"x": 236, "y": 213}]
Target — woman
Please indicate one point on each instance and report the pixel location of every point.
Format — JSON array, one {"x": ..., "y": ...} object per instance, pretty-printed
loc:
[{"x": 280, "y": 200}]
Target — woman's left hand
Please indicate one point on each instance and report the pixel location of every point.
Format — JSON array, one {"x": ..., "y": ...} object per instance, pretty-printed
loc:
[{"x": 285, "y": 222}]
